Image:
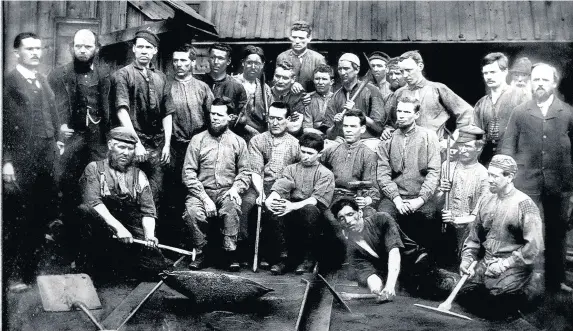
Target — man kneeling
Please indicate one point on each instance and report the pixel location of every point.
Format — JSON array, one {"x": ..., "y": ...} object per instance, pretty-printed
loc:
[
  {"x": 297, "y": 202},
  {"x": 117, "y": 201}
]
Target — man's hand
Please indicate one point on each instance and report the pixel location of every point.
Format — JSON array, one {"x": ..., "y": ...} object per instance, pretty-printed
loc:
[
  {"x": 233, "y": 195},
  {"x": 401, "y": 206},
  {"x": 338, "y": 117},
  {"x": 363, "y": 201},
  {"x": 447, "y": 216},
  {"x": 414, "y": 204},
  {"x": 465, "y": 268},
  {"x": 140, "y": 152},
  {"x": 8, "y": 174},
  {"x": 295, "y": 116},
  {"x": 276, "y": 206},
  {"x": 61, "y": 147},
  {"x": 496, "y": 268},
  {"x": 296, "y": 88},
  {"x": 387, "y": 133},
  {"x": 66, "y": 131},
  {"x": 210, "y": 208},
  {"x": 306, "y": 99},
  {"x": 287, "y": 208},
  {"x": 124, "y": 235},
  {"x": 349, "y": 105},
  {"x": 387, "y": 294},
  {"x": 166, "y": 154},
  {"x": 374, "y": 284},
  {"x": 151, "y": 241},
  {"x": 445, "y": 185}
]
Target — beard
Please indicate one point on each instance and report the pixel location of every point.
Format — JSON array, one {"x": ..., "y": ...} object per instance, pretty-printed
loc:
[
  {"x": 120, "y": 162},
  {"x": 83, "y": 66},
  {"x": 541, "y": 95},
  {"x": 217, "y": 131}
]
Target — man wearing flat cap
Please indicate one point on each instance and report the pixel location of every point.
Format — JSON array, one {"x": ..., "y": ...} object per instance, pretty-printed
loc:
[
  {"x": 378, "y": 65},
  {"x": 521, "y": 75},
  {"x": 141, "y": 97},
  {"x": 118, "y": 207},
  {"x": 508, "y": 229},
  {"x": 466, "y": 182},
  {"x": 369, "y": 101}
]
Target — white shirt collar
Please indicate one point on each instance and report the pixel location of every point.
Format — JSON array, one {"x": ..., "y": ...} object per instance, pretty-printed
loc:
[
  {"x": 544, "y": 106},
  {"x": 27, "y": 73}
]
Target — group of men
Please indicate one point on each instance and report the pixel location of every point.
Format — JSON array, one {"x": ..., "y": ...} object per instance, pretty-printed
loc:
[{"x": 370, "y": 167}]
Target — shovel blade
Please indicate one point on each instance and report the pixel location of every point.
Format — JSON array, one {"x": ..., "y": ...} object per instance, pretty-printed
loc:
[
  {"x": 443, "y": 312},
  {"x": 59, "y": 292}
]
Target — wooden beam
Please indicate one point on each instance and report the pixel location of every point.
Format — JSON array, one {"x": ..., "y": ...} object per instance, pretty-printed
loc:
[
  {"x": 120, "y": 313},
  {"x": 153, "y": 10},
  {"x": 128, "y": 34}
]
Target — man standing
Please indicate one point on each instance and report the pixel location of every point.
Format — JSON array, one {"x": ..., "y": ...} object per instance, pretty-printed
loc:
[
  {"x": 408, "y": 174},
  {"x": 82, "y": 95},
  {"x": 269, "y": 153},
  {"x": 369, "y": 101},
  {"x": 314, "y": 112},
  {"x": 142, "y": 100},
  {"x": 30, "y": 149},
  {"x": 466, "y": 182},
  {"x": 297, "y": 201},
  {"x": 254, "y": 114},
  {"x": 521, "y": 75},
  {"x": 117, "y": 197},
  {"x": 379, "y": 65},
  {"x": 303, "y": 59},
  {"x": 438, "y": 104},
  {"x": 509, "y": 229},
  {"x": 394, "y": 76},
  {"x": 215, "y": 175},
  {"x": 282, "y": 91},
  {"x": 492, "y": 111},
  {"x": 352, "y": 162},
  {"x": 539, "y": 136}
]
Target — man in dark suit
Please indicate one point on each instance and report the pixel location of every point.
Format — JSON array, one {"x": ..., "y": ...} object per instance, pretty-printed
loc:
[
  {"x": 539, "y": 137},
  {"x": 30, "y": 147},
  {"x": 82, "y": 91}
]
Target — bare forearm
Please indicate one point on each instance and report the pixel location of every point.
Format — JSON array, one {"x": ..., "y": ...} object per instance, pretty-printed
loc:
[
  {"x": 309, "y": 201},
  {"x": 148, "y": 224},
  {"x": 168, "y": 129},
  {"x": 393, "y": 267},
  {"x": 125, "y": 120},
  {"x": 102, "y": 210}
]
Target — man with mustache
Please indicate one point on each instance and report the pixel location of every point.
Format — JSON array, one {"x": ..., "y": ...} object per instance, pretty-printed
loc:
[
  {"x": 304, "y": 60},
  {"x": 314, "y": 112},
  {"x": 492, "y": 111},
  {"x": 118, "y": 207},
  {"x": 141, "y": 97},
  {"x": 539, "y": 136},
  {"x": 466, "y": 182},
  {"x": 283, "y": 80},
  {"x": 215, "y": 174},
  {"x": 439, "y": 105},
  {"x": 508, "y": 228},
  {"x": 31, "y": 139},
  {"x": 254, "y": 113},
  {"x": 369, "y": 101},
  {"x": 408, "y": 174},
  {"x": 82, "y": 93},
  {"x": 521, "y": 75}
]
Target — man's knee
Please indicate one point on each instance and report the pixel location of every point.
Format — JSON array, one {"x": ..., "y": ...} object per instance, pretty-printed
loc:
[{"x": 194, "y": 211}]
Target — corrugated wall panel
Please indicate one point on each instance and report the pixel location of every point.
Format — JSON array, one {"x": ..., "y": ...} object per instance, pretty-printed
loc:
[
  {"x": 482, "y": 27},
  {"x": 525, "y": 20},
  {"x": 467, "y": 21},
  {"x": 512, "y": 20},
  {"x": 540, "y": 21},
  {"x": 423, "y": 20},
  {"x": 408, "y": 10},
  {"x": 438, "y": 14},
  {"x": 497, "y": 20},
  {"x": 394, "y": 18},
  {"x": 452, "y": 20}
]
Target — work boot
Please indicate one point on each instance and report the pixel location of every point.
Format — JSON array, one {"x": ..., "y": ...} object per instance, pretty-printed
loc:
[
  {"x": 278, "y": 269},
  {"x": 304, "y": 267},
  {"x": 199, "y": 262},
  {"x": 233, "y": 262}
]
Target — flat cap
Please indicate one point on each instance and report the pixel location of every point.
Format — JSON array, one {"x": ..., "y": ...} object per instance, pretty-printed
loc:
[
  {"x": 121, "y": 133},
  {"x": 504, "y": 162},
  {"x": 469, "y": 133},
  {"x": 149, "y": 36},
  {"x": 393, "y": 63},
  {"x": 379, "y": 55},
  {"x": 522, "y": 65},
  {"x": 352, "y": 58}
]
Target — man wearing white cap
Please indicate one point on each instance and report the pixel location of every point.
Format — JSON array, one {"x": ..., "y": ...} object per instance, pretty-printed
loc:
[{"x": 368, "y": 100}]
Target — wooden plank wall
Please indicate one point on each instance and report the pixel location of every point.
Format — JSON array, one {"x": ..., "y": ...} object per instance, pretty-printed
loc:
[
  {"x": 39, "y": 17},
  {"x": 396, "y": 21}
]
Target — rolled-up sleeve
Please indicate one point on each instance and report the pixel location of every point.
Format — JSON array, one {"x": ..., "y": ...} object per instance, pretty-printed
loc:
[
  {"x": 90, "y": 186},
  {"x": 120, "y": 88},
  {"x": 146, "y": 204}
]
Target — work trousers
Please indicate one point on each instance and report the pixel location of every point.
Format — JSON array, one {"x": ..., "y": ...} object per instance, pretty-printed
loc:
[
  {"x": 199, "y": 226},
  {"x": 154, "y": 170},
  {"x": 174, "y": 196}
]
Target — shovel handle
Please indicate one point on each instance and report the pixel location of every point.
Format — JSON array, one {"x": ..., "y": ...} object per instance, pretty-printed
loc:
[
  {"x": 82, "y": 307},
  {"x": 169, "y": 248},
  {"x": 452, "y": 295}
]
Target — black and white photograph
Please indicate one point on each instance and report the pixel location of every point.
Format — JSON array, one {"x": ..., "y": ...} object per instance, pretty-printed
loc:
[{"x": 304, "y": 165}]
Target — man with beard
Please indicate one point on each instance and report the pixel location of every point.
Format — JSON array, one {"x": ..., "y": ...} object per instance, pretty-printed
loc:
[
  {"x": 297, "y": 201},
  {"x": 304, "y": 60},
  {"x": 31, "y": 138},
  {"x": 396, "y": 80},
  {"x": 142, "y": 100},
  {"x": 492, "y": 112},
  {"x": 509, "y": 229},
  {"x": 379, "y": 65},
  {"x": 82, "y": 91},
  {"x": 521, "y": 75},
  {"x": 408, "y": 174},
  {"x": 314, "y": 112},
  {"x": 118, "y": 208},
  {"x": 192, "y": 100},
  {"x": 439, "y": 106},
  {"x": 369, "y": 101},
  {"x": 254, "y": 114},
  {"x": 269, "y": 153},
  {"x": 282, "y": 91},
  {"x": 215, "y": 175},
  {"x": 539, "y": 135},
  {"x": 466, "y": 183}
]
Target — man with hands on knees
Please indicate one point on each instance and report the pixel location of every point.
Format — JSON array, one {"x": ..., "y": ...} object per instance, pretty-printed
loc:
[{"x": 117, "y": 197}]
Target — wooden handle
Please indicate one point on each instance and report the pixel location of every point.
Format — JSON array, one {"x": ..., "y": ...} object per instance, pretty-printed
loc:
[
  {"x": 169, "y": 248},
  {"x": 357, "y": 296},
  {"x": 257, "y": 239},
  {"x": 452, "y": 296}
]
